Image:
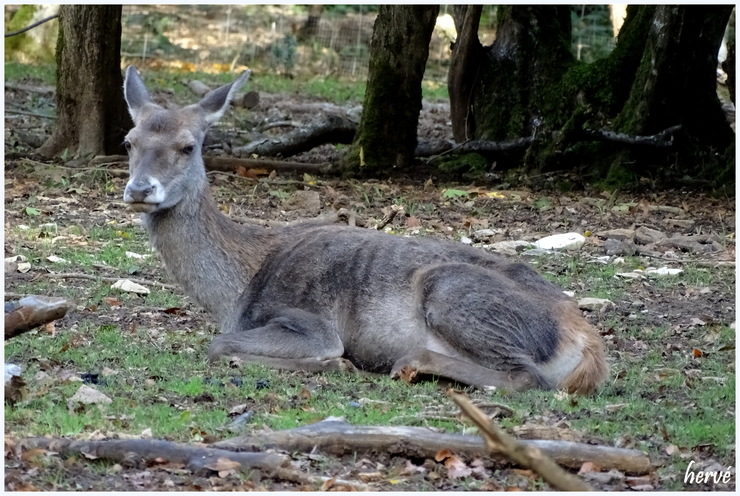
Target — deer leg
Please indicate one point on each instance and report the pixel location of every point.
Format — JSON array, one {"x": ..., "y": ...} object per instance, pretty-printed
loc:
[
  {"x": 423, "y": 361},
  {"x": 292, "y": 340}
]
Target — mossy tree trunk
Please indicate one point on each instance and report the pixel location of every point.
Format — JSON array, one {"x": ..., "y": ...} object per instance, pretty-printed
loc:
[
  {"x": 508, "y": 95},
  {"x": 676, "y": 83},
  {"x": 527, "y": 83},
  {"x": 386, "y": 137},
  {"x": 92, "y": 115}
]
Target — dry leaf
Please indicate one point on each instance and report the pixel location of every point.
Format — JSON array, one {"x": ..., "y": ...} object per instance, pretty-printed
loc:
[
  {"x": 698, "y": 353},
  {"x": 407, "y": 374},
  {"x": 456, "y": 468},
  {"x": 112, "y": 302},
  {"x": 589, "y": 467},
  {"x": 442, "y": 455},
  {"x": 412, "y": 221},
  {"x": 305, "y": 394},
  {"x": 223, "y": 464}
]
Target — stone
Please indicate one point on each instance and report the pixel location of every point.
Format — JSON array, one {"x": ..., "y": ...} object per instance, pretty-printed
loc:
[{"x": 645, "y": 235}]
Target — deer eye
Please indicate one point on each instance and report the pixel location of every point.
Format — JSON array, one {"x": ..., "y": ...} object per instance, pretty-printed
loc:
[
  {"x": 127, "y": 145},
  {"x": 187, "y": 150}
]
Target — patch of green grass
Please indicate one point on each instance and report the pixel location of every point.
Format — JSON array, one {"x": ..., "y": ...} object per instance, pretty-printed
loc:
[{"x": 43, "y": 73}]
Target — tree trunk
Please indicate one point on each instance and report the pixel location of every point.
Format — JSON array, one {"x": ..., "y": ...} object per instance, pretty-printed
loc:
[
  {"x": 386, "y": 136},
  {"x": 92, "y": 115},
  {"x": 676, "y": 83},
  {"x": 527, "y": 84},
  {"x": 467, "y": 52},
  {"x": 310, "y": 28},
  {"x": 513, "y": 94}
]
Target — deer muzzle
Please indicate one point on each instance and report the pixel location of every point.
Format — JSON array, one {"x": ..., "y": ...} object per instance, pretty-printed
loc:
[{"x": 143, "y": 194}]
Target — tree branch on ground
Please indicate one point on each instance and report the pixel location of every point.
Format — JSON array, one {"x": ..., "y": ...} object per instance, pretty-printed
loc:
[
  {"x": 33, "y": 311},
  {"x": 145, "y": 452},
  {"x": 339, "y": 437},
  {"x": 229, "y": 164},
  {"x": 91, "y": 277},
  {"x": 330, "y": 129},
  {"x": 529, "y": 457}
]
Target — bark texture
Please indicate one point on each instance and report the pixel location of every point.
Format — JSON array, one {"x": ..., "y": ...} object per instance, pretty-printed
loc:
[
  {"x": 676, "y": 81},
  {"x": 92, "y": 116},
  {"x": 386, "y": 137}
]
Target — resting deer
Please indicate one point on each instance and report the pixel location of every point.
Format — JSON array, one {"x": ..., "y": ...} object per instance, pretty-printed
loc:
[{"x": 331, "y": 297}]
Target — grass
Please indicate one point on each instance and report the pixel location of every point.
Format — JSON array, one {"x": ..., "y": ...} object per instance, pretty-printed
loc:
[
  {"x": 331, "y": 89},
  {"x": 160, "y": 378}
]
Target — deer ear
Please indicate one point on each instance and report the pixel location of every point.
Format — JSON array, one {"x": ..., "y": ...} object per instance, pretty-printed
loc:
[
  {"x": 217, "y": 101},
  {"x": 135, "y": 92}
]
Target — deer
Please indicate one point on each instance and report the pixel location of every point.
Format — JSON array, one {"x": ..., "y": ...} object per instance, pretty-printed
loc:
[{"x": 322, "y": 296}]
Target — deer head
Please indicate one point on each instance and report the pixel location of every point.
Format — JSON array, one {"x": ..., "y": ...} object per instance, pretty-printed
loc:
[{"x": 164, "y": 146}]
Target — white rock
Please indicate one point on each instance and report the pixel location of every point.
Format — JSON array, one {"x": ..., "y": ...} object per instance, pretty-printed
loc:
[
  {"x": 595, "y": 304},
  {"x": 511, "y": 247},
  {"x": 572, "y": 294},
  {"x": 663, "y": 271},
  {"x": 567, "y": 241},
  {"x": 11, "y": 370},
  {"x": 15, "y": 258},
  {"x": 88, "y": 396},
  {"x": 56, "y": 259},
  {"x": 465, "y": 240},
  {"x": 130, "y": 254},
  {"x": 130, "y": 286},
  {"x": 24, "y": 267}
]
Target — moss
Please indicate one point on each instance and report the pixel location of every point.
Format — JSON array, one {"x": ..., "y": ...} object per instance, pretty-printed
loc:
[{"x": 472, "y": 163}]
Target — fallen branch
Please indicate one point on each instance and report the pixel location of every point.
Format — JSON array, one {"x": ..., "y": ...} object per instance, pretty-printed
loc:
[
  {"x": 529, "y": 457},
  {"x": 33, "y": 311},
  {"x": 443, "y": 147},
  {"x": 228, "y": 164},
  {"x": 90, "y": 277},
  {"x": 663, "y": 139},
  {"x": 339, "y": 438},
  {"x": 331, "y": 129},
  {"x": 145, "y": 452}
]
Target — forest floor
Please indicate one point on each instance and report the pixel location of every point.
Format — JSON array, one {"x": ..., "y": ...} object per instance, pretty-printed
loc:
[{"x": 670, "y": 340}]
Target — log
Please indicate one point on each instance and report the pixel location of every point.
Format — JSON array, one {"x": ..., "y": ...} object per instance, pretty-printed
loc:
[
  {"x": 32, "y": 311},
  {"x": 338, "y": 438},
  {"x": 143, "y": 452},
  {"x": 330, "y": 129}
]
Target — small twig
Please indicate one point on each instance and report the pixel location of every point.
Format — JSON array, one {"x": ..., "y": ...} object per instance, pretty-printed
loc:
[
  {"x": 301, "y": 478},
  {"x": 530, "y": 457},
  {"x": 90, "y": 277},
  {"x": 387, "y": 218}
]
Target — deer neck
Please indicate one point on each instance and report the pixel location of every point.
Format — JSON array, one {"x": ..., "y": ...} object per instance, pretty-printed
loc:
[{"x": 212, "y": 257}]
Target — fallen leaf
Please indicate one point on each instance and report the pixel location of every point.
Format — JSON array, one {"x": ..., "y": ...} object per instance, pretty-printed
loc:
[
  {"x": 407, "y": 374},
  {"x": 112, "y": 302},
  {"x": 412, "y": 221},
  {"x": 697, "y": 353},
  {"x": 456, "y": 468},
  {"x": 589, "y": 467},
  {"x": 442, "y": 455}
]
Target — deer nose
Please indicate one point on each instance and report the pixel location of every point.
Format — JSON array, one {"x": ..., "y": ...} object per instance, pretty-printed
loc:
[{"x": 138, "y": 191}]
